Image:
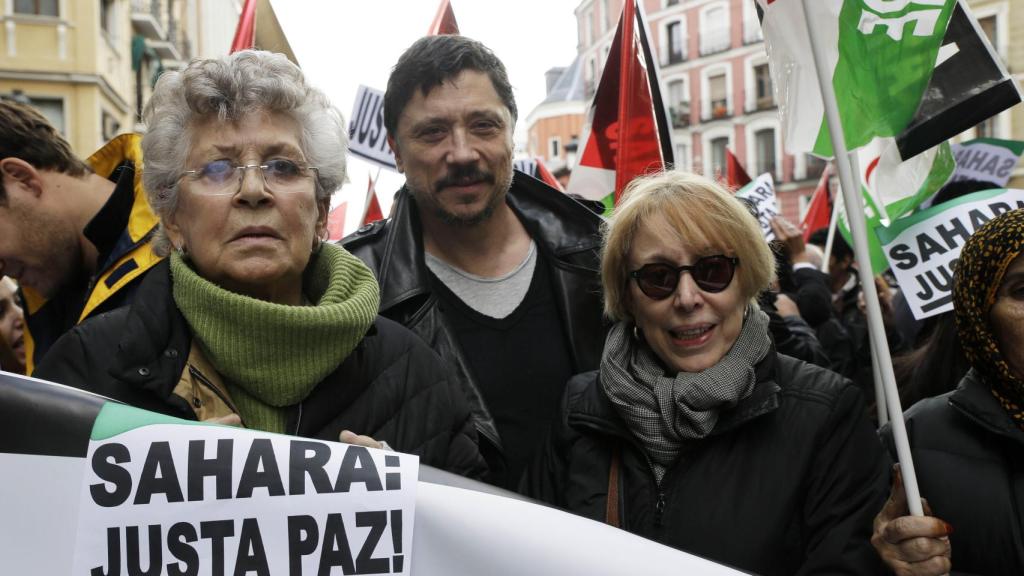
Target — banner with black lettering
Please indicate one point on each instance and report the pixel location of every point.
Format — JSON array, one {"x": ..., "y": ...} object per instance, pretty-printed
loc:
[
  {"x": 923, "y": 249},
  {"x": 986, "y": 159},
  {"x": 166, "y": 494},
  {"x": 367, "y": 137},
  {"x": 93, "y": 488},
  {"x": 760, "y": 193}
]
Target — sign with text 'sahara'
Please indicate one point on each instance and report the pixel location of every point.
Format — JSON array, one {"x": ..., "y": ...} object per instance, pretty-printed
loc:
[
  {"x": 165, "y": 496},
  {"x": 760, "y": 193},
  {"x": 367, "y": 136},
  {"x": 923, "y": 249}
]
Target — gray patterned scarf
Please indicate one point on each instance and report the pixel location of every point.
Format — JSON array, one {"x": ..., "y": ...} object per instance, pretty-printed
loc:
[{"x": 665, "y": 411}]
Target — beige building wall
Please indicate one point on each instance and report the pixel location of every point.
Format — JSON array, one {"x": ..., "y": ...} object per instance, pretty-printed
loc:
[
  {"x": 75, "y": 65},
  {"x": 564, "y": 129}
]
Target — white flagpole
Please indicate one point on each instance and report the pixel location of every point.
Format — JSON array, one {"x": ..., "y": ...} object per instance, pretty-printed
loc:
[{"x": 858, "y": 228}]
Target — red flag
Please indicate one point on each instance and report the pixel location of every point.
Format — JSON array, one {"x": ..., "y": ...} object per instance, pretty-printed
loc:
[
  {"x": 735, "y": 175},
  {"x": 372, "y": 212},
  {"x": 819, "y": 212},
  {"x": 336, "y": 222},
  {"x": 245, "y": 33},
  {"x": 444, "y": 22},
  {"x": 628, "y": 134},
  {"x": 547, "y": 177}
]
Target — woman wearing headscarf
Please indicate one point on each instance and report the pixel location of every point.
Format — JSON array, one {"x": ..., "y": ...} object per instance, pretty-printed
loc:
[
  {"x": 968, "y": 445},
  {"x": 695, "y": 432},
  {"x": 253, "y": 317}
]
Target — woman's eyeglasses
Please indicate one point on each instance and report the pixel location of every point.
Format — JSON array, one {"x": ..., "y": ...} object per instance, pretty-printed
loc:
[
  {"x": 224, "y": 178},
  {"x": 710, "y": 273}
]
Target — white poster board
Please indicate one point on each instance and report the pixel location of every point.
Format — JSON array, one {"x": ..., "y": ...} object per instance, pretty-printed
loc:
[
  {"x": 761, "y": 194},
  {"x": 923, "y": 249},
  {"x": 367, "y": 136}
]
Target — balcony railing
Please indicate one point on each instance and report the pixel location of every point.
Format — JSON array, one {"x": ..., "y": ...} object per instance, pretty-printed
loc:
[
  {"x": 718, "y": 111},
  {"x": 765, "y": 103},
  {"x": 148, "y": 19},
  {"x": 680, "y": 116},
  {"x": 714, "y": 41},
  {"x": 675, "y": 57}
]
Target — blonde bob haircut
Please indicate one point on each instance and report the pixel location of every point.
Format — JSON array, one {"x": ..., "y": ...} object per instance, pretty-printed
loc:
[{"x": 701, "y": 215}]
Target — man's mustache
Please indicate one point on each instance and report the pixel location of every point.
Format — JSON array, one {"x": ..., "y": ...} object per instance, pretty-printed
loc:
[{"x": 464, "y": 177}]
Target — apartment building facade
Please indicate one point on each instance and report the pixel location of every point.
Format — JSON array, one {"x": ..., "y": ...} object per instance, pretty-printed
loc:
[{"x": 718, "y": 89}]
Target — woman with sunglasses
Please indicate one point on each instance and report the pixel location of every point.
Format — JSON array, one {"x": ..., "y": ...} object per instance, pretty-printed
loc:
[
  {"x": 695, "y": 432},
  {"x": 253, "y": 319}
]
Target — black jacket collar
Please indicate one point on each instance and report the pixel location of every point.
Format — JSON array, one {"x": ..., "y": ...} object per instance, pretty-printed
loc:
[
  {"x": 974, "y": 399},
  {"x": 555, "y": 222}
]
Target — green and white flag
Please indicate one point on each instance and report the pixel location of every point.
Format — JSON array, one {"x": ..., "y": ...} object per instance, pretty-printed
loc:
[
  {"x": 881, "y": 54},
  {"x": 903, "y": 188}
]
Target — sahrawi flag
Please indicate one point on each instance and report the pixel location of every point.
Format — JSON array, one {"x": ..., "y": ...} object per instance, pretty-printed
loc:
[{"x": 628, "y": 131}]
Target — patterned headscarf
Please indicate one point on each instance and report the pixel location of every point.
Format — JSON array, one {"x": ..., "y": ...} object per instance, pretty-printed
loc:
[{"x": 979, "y": 272}]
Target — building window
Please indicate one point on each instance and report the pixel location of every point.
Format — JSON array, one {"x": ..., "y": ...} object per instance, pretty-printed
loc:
[
  {"x": 53, "y": 110},
  {"x": 36, "y": 7},
  {"x": 676, "y": 43},
  {"x": 988, "y": 26},
  {"x": 765, "y": 97},
  {"x": 108, "y": 18},
  {"x": 554, "y": 148},
  {"x": 815, "y": 166},
  {"x": 591, "y": 77},
  {"x": 751, "y": 25},
  {"x": 605, "y": 16},
  {"x": 671, "y": 3},
  {"x": 987, "y": 128},
  {"x": 718, "y": 146},
  {"x": 589, "y": 27},
  {"x": 111, "y": 127},
  {"x": 679, "y": 104},
  {"x": 683, "y": 158},
  {"x": 764, "y": 142},
  {"x": 714, "y": 36},
  {"x": 718, "y": 96}
]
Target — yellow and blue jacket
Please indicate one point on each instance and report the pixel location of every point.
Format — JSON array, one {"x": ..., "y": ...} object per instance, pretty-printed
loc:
[{"x": 121, "y": 232}]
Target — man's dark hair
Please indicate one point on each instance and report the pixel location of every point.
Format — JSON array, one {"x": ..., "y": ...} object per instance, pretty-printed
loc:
[
  {"x": 27, "y": 135},
  {"x": 958, "y": 188},
  {"x": 432, "y": 60},
  {"x": 840, "y": 249}
]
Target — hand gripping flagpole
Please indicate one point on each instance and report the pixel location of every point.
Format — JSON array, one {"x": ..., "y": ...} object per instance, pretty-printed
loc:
[{"x": 858, "y": 228}]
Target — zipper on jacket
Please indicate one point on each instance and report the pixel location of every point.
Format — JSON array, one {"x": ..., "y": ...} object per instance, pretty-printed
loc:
[
  {"x": 202, "y": 380},
  {"x": 659, "y": 508}
]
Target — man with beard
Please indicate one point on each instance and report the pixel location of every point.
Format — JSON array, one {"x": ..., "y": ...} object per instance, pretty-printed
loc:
[
  {"x": 495, "y": 270},
  {"x": 74, "y": 234}
]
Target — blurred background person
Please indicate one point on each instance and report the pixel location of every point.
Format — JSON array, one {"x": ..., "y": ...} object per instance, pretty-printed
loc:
[
  {"x": 695, "y": 432},
  {"x": 968, "y": 444},
  {"x": 75, "y": 235},
  {"x": 12, "y": 328},
  {"x": 253, "y": 318}
]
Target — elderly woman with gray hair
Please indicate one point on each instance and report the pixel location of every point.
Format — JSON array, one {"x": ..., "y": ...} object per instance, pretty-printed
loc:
[
  {"x": 695, "y": 432},
  {"x": 253, "y": 319}
]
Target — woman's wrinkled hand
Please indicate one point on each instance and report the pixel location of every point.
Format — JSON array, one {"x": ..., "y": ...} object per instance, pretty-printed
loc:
[
  {"x": 349, "y": 437},
  {"x": 911, "y": 545}
]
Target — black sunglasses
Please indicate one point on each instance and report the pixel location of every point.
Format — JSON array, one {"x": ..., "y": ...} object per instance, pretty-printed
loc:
[{"x": 710, "y": 273}]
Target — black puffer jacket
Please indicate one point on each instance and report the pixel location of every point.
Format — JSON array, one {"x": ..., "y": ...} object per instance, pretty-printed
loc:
[
  {"x": 969, "y": 459},
  {"x": 566, "y": 233},
  {"x": 391, "y": 387},
  {"x": 787, "y": 483}
]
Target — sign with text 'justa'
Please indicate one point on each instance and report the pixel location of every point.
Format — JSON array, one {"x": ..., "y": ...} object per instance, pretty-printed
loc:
[
  {"x": 173, "y": 497},
  {"x": 367, "y": 136},
  {"x": 923, "y": 249}
]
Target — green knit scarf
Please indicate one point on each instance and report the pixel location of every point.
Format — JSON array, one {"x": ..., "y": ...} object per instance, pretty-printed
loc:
[{"x": 271, "y": 356}]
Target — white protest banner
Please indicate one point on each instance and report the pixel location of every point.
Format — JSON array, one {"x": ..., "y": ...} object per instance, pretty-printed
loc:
[
  {"x": 986, "y": 159},
  {"x": 162, "y": 495},
  {"x": 923, "y": 249},
  {"x": 761, "y": 193},
  {"x": 367, "y": 137}
]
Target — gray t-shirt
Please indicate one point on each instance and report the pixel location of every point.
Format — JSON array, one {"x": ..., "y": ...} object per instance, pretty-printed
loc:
[{"x": 494, "y": 297}]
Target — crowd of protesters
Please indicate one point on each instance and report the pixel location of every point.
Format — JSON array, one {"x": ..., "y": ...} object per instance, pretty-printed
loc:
[{"x": 666, "y": 371}]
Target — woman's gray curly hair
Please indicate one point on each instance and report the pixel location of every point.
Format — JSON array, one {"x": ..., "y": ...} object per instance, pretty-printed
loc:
[{"x": 228, "y": 89}]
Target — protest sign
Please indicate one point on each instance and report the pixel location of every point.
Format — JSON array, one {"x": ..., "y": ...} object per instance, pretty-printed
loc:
[
  {"x": 50, "y": 435},
  {"x": 761, "y": 194},
  {"x": 923, "y": 249},
  {"x": 986, "y": 159},
  {"x": 161, "y": 494},
  {"x": 367, "y": 137}
]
